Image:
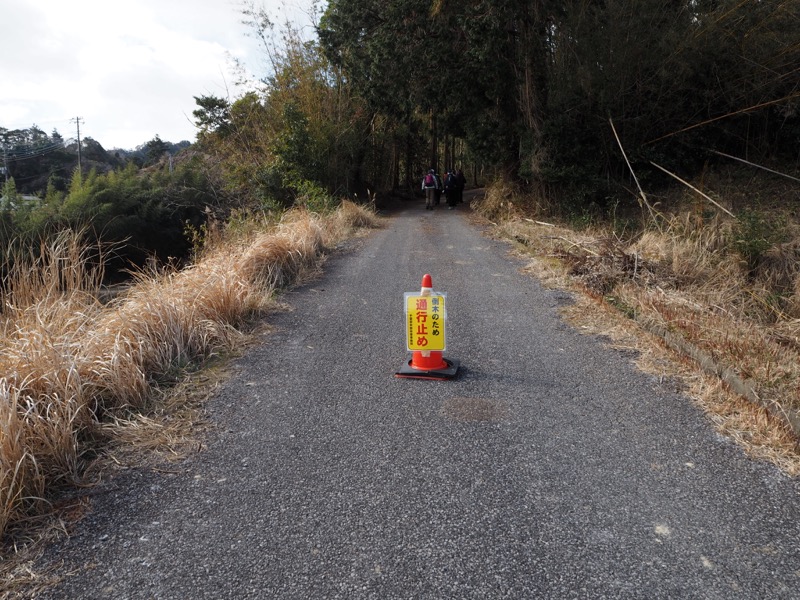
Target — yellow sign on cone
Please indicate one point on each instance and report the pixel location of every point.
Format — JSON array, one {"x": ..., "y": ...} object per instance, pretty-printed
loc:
[{"x": 425, "y": 319}]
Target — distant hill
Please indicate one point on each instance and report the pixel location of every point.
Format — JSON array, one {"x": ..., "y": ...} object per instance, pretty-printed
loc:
[{"x": 34, "y": 158}]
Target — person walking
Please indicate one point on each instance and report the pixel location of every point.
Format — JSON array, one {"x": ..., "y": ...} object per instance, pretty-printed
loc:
[
  {"x": 437, "y": 196},
  {"x": 429, "y": 187},
  {"x": 462, "y": 182},
  {"x": 451, "y": 189}
]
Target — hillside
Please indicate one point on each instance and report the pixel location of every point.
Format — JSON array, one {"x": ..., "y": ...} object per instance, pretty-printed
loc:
[{"x": 34, "y": 159}]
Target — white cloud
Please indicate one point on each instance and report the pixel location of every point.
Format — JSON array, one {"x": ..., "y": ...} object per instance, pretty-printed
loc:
[{"x": 129, "y": 69}]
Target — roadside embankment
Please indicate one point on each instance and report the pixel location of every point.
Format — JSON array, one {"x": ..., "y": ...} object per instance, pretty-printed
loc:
[
  {"x": 77, "y": 373},
  {"x": 710, "y": 299}
]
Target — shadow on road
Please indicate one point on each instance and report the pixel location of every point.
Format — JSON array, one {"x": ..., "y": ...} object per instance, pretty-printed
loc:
[{"x": 396, "y": 202}]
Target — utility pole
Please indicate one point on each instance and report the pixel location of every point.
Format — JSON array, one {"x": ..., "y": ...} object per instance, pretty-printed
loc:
[
  {"x": 78, "y": 123},
  {"x": 5, "y": 160}
]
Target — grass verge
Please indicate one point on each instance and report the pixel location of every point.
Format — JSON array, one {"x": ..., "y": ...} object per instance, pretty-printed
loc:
[
  {"x": 705, "y": 298},
  {"x": 81, "y": 377}
]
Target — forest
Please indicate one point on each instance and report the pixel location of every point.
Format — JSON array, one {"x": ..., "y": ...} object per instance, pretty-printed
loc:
[
  {"x": 576, "y": 103},
  {"x": 535, "y": 92}
]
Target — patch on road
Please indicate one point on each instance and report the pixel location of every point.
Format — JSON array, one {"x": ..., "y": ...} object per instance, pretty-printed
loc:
[{"x": 474, "y": 409}]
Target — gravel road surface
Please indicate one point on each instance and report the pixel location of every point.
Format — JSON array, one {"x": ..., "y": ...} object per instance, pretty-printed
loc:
[{"x": 549, "y": 468}]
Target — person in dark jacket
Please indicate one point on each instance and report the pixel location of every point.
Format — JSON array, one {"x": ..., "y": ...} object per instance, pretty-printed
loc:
[
  {"x": 462, "y": 182},
  {"x": 451, "y": 189}
]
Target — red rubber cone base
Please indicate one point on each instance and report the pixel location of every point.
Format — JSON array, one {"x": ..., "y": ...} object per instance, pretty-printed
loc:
[{"x": 446, "y": 371}]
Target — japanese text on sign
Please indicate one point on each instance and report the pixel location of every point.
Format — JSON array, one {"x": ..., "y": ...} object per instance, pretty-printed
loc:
[{"x": 425, "y": 317}]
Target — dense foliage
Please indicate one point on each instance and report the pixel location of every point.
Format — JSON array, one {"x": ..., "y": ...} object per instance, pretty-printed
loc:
[
  {"x": 534, "y": 90},
  {"x": 138, "y": 205},
  {"x": 533, "y": 86},
  {"x": 301, "y": 138}
]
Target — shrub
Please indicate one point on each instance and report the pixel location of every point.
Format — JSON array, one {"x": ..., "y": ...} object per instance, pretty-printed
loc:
[{"x": 754, "y": 234}]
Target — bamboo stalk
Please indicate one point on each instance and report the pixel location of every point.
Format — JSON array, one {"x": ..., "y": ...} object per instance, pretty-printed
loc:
[
  {"x": 747, "y": 162},
  {"x": 686, "y": 183},
  {"x": 636, "y": 179},
  {"x": 731, "y": 114}
]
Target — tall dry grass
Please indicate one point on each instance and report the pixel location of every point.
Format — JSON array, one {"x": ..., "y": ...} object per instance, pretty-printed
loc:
[
  {"x": 686, "y": 277},
  {"x": 69, "y": 363}
]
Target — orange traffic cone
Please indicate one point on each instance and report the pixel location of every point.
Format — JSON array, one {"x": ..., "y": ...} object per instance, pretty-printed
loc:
[{"x": 428, "y": 364}]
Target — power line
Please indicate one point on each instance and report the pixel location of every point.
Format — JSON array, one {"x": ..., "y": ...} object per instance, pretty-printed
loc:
[
  {"x": 30, "y": 152},
  {"x": 19, "y": 152}
]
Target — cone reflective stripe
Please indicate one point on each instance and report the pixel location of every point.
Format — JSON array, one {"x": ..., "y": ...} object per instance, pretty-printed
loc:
[{"x": 428, "y": 364}]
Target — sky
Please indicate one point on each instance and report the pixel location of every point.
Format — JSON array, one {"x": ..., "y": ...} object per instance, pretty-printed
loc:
[{"x": 129, "y": 69}]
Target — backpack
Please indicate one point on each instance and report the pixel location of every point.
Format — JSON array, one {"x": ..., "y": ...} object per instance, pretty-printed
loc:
[{"x": 430, "y": 181}]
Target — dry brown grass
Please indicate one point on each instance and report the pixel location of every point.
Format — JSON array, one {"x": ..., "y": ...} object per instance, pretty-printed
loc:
[
  {"x": 75, "y": 372},
  {"x": 759, "y": 433},
  {"x": 351, "y": 218},
  {"x": 685, "y": 278},
  {"x": 502, "y": 202}
]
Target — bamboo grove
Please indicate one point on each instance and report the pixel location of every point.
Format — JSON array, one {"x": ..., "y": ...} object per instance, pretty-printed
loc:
[{"x": 523, "y": 88}]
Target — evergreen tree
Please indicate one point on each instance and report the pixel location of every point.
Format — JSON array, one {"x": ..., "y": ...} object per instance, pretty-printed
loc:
[{"x": 154, "y": 150}]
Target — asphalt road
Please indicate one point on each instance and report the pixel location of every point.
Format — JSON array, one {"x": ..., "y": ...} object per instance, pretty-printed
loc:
[{"x": 549, "y": 468}]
